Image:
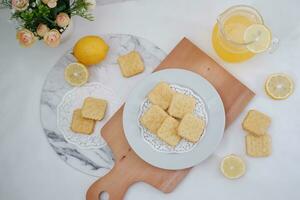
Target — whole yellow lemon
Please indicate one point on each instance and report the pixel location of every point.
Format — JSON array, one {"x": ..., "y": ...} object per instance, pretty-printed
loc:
[{"x": 90, "y": 50}]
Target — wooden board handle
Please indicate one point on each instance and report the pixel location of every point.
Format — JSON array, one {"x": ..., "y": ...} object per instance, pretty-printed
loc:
[
  {"x": 129, "y": 170},
  {"x": 115, "y": 183}
]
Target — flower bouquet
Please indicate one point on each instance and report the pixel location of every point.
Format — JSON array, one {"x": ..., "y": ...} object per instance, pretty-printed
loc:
[{"x": 46, "y": 19}]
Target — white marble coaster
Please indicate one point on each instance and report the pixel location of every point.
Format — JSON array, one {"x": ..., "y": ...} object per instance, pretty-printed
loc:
[
  {"x": 98, "y": 161},
  {"x": 73, "y": 100}
]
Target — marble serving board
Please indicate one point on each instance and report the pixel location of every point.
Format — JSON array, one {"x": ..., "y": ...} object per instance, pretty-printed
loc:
[{"x": 96, "y": 162}]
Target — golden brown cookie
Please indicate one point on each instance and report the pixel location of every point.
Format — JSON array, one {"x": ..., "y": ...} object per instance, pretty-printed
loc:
[
  {"x": 94, "y": 108},
  {"x": 168, "y": 131},
  {"x": 258, "y": 146},
  {"x": 131, "y": 64},
  {"x": 161, "y": 95},
  {"x": 191, "y": 128},
  {"x": 80, "y": 124},
  {"x": 181, "y": 104},
  {"x": 153, "y": 118},
  {"x": 256, "y": 122}
]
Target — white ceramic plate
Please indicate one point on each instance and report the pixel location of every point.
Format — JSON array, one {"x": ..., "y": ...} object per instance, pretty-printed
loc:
[{"x": 214, "y": 129}]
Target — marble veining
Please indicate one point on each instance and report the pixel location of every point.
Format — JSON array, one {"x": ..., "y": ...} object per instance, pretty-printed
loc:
[{"x": 96, "y": 162}]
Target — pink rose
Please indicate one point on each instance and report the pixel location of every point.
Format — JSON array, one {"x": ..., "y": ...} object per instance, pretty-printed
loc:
[
  {"x": 50, "y": 3},
  {"x": 26, "y": 37},
  {"x": 42, "y": 29},
  {"x": 20, "y": 5},
  {"x": 62, "y": 19},
  {"x": 52, "y": 38}
]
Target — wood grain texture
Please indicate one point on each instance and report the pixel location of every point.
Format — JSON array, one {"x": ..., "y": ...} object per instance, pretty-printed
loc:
[
  {"x": 129, "y": 168},
  {"x": 234, "y": 94}
]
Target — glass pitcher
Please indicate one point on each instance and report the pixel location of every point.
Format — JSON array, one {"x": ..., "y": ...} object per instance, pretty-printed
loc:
[{"x": 229, "y": 32}]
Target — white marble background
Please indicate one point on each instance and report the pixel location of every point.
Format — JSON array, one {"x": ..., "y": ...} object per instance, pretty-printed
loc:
[{"x": 29, "y": 168}]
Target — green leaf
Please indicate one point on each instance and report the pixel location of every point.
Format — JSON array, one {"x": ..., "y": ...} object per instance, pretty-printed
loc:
[{"x": 80, "y": 8}]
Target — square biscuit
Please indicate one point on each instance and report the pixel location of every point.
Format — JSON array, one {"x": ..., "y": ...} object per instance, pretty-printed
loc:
[
  {"x": 94, "y": 108},
  {"x": 161, "y": 95},
  {"x": 181, "y": 104},
  {"x": 153, "y": 118},
  {"x": 258, "y": 146},
  {"x": 80, "y": 124},
  {"x": 256, "y": 123},
  {"x": 191, "y": 128},
  {"x": 168, "y": 131},
  {"x": 131, "y": 64}
]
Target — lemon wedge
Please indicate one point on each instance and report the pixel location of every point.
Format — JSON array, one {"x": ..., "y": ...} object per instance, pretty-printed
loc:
[
  {"x": 76, "y": 74},
  {"x": 233, "y": 167},
  {"x": 259, "y": 38},
  {"x": 279, "y": 86}
]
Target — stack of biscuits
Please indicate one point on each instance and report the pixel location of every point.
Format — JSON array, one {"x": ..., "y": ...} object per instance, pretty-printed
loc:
[
  {"x": 171, "y": 116},
  {"x": 84, "y": 119},
  {"x": 258, "y": 141}
]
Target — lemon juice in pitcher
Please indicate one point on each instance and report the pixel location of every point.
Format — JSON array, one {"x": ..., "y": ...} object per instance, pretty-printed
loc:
[{"x": 239, "y": 34}]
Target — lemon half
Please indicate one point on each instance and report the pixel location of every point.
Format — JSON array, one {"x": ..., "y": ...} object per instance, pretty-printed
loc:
[
  {"x": 76, "y": 74},
  {"x": 259, "y": 38},
  {"x": 279, "y": 86},
  {"x": 232, "y": 166}
]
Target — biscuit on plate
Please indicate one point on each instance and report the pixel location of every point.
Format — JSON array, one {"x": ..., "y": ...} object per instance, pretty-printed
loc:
[
  {"x": 181, "y": 104},
  {"x": 153, "y": 118},
  {"x": 168, "y": 131},
  {"x": 80, "y": 124},
  {"x": 131, "y": 64},
  {"x": 256, "y": 123},
  {"x": 161, "y": 95},
  {"x": 258, "y": 146},
  {"x": 94, "y": 108},
  {"x": 191, "y": 128}
]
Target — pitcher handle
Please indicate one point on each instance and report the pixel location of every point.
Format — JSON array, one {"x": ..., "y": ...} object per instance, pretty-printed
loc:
[{"x": 274, "y": 45}]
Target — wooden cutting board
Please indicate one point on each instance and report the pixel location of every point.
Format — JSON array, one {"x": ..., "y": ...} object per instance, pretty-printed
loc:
[{"x": 129, "y": 168}]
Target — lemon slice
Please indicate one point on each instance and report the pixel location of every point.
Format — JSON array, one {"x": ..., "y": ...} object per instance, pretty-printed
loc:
[
  {"x": 76, "y": 74},
  {"x": 233, "y": 166},
  {"x": 259, "y": 38},
  {"x": 279, "y": 86}
]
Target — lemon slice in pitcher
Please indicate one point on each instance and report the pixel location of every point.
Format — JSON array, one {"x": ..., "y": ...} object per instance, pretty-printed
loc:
[
  {"x": 233, "y": 166},
  {"x": 76, "y": 74},
  {"x": 279, "y": 86},
  {"x": 258, "y": 37}
]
